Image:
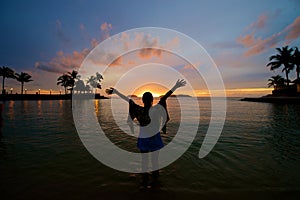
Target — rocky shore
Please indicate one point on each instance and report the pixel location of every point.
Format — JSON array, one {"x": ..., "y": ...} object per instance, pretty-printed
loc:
[{"x": 275, "y": 99}]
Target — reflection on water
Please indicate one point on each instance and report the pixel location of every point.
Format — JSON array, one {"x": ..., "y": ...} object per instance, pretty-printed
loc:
[
  {"x": 285, "y": 141},
  {"x": 42, "y": 156}
]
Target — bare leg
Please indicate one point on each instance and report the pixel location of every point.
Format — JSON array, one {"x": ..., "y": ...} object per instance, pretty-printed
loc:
[
  {"x": 155, "y": 172},
  {"x": 154, "y": 160},
  {"x": 145, "y": 163}
]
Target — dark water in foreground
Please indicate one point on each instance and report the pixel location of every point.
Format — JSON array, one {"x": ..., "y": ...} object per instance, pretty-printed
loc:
[{"x": 257, "y": 155}]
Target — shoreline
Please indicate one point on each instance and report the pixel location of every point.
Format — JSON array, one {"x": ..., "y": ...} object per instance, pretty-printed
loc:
[
  {"x": 274, "y": 99},
  {"x": 21, "y": 97}
]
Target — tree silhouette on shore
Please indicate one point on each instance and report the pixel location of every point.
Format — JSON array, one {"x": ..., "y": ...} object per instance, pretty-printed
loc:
[
  {"x": 67, "y": 80},
  {"x": 283, "y": 58},
  {"x": 296, "y": 61},
  {"x": 95, "y": 81},
  {"x": 276, "y": 81},
  {"x": 23, "y": 78},
  {"x": 6, "y": 72},
  {"x": 64, "y": 81},
  {"x": 73, "y": 76}
]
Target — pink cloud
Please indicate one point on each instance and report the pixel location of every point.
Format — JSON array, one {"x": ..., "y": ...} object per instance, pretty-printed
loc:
[
  {"x": 105, "y": 30},
  {"x": 94, "y": 43},
  {"x": 60, "y": 34},
  {"x": 63, "y": 62},
  {"x": 263, "y": 45},
  {"x": 257, "y": 45},
  {"x": 81, "y": 27},
  {"x": 147, "y": 48},
  {"x": 248, "y": 40},
  {"x": 293, "y": 30},
  {"x": 259, "y": 24}
]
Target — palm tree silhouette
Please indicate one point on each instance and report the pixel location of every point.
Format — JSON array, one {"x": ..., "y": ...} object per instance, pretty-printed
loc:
[
  {"x": 276, "y": 81},
  {"x": 72, "y": 78},
  {"x": 285, "y": 58},
  {"x": 95, "y": 81},
  {"x": 296, "y": 61},
  {"x": 80, "y": 86},
  {"x": 23, "y": 78},
  {"x": 64, "y": 81},
  {"x": 6, "y": 72}
]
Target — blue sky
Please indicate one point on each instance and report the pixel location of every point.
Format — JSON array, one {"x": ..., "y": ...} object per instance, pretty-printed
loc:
[{"x": 40, "y": 37}]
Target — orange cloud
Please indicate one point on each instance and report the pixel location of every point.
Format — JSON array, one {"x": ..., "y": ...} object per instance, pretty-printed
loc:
[
  {"x": 117, "y": 62},
  {"x": 105, "y": 26},
  {"x": 147, "y": 53},
  {"x": 188, "y": 67}
]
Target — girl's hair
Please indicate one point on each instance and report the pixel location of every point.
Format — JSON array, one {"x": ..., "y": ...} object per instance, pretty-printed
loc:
[{"x": 147, "y": 98}]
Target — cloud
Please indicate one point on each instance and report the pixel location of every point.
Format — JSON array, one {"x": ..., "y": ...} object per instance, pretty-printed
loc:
[
  {"x": 117, "y": 62},
  {"x": 188, "y": 67},
  {"x": 94, "y": 42},
  {"x": 105, "y": 30},
  {"x": 63, "y": 62},
  {"x": 105, "y": 26},
  {"x": 293, "y": 30},
  {"x": 259, "y": 24},
  {"x": 151, "y": 49},
  {"x": 82, "y": 27},
  {"x": 147, "y": 53},
  {"x": 147, "y": 47},
  {"x": 60, "y": 34},
  {"x": 248, "y": 40},
  {"x": 258, "y": 45}
]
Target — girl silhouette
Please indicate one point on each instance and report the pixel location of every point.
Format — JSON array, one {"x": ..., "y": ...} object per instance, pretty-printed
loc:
[{"x": 149, "y": 118}]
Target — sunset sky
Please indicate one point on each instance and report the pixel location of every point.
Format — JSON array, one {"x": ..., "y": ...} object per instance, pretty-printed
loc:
[{"x": 48, "y": 38}]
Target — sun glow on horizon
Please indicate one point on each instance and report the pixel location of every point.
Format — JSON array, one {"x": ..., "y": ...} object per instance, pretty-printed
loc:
[{"x": 156, "y": 90}]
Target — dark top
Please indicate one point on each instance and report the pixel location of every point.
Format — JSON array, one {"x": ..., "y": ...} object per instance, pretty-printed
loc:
[{"x": 140, "y": 113}]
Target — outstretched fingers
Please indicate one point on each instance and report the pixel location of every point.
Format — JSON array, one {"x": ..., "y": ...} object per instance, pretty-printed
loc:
[
  {"x": 180, "y": 83},
  {"x": 109, "y": 90}
]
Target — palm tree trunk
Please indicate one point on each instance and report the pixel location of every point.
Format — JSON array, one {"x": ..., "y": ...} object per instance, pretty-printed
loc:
[
  {"x": 22, "y": 85},
  {"x": 65, "y": 90},
  {"x": 287, "y": 77},
  {"x": 298, "y": 69},
  {"x": 3, "y": 91}
]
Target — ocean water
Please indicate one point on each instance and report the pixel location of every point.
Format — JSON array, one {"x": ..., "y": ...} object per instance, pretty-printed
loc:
[{"x": 257, "y": 155}]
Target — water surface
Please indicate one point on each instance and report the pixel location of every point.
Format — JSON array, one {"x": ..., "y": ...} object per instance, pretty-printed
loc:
[{"x": 42, "y": 157}]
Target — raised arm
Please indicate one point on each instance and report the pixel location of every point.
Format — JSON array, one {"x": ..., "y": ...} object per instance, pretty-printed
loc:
[
  {"x": 178, "y": 84},
  {"x": 115, "y": 91}
]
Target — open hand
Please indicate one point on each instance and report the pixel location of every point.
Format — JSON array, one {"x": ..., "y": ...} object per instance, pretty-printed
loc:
[
  {"x": 109, "y": 90},
  {"x": 180, "y": 83}
]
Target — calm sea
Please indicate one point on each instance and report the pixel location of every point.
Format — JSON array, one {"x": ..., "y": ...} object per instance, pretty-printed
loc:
[{"x": 257, "y": 155}]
